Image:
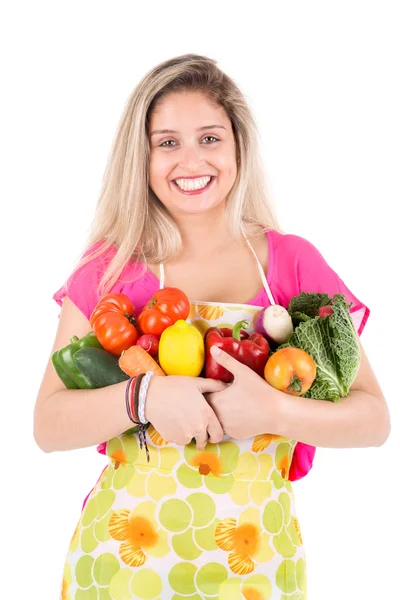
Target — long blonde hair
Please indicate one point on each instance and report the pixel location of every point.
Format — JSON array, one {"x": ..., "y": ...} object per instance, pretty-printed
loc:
[{"x": 129, "y": 216}]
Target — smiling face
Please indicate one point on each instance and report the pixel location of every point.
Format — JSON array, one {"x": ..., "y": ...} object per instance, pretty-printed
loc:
[{"x": 200, "y": 145}]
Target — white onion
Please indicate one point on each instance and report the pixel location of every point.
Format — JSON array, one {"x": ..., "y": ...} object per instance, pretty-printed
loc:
[{"x": 275, "y": 323}]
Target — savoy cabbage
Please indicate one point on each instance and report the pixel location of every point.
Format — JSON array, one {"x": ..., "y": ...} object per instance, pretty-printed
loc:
[{"x": 332, "y": 341}]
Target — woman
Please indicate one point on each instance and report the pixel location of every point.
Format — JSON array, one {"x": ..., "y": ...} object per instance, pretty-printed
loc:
[{"x": 184, "y": 204}]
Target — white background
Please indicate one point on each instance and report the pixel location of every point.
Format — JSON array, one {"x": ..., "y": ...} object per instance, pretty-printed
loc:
[{"x": 322, "y": 80}]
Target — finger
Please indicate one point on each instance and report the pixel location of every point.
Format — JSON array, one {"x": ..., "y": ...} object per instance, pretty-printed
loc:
[
  {"x": 185, "y": 441},
  {"x": 214, "y": 428},
  {"x": 213, "y": 403},
  {"x": 210, "y": 400},
  {"x": 201, "y": 440},
  {"x": 226, "y": 360},
  {"x": 210, "y": 385}
]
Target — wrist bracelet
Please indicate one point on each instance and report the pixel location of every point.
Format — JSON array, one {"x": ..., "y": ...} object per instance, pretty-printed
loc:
[
  {"x": 132, "y": 401},
  {"x": 131, "y": 380},
  {"x": 142, "y": 397},
  {"x": 136, "y": 395}
]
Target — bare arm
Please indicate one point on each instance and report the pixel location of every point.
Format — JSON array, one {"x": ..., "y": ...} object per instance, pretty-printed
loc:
[
  {"x": 359, "y": 420},
  {"x": 67, "y": 419}
]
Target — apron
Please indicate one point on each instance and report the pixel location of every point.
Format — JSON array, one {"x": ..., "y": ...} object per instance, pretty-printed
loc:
[{"x": 190, "y": 525}]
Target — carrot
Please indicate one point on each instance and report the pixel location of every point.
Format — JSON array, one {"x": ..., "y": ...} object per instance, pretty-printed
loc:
[{"x": 136, "y": 360}]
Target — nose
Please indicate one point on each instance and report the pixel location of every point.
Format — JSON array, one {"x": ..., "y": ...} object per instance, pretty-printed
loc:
[{"x": 192, "y": 158}]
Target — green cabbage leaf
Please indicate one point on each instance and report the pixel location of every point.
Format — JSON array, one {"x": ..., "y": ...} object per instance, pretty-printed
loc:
[{"x": 331, "y": 341}]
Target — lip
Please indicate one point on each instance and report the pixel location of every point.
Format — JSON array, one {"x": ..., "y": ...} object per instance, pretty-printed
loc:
[
  {"x": 193, "y": 177},
  {"x": 195, "y": 192}
]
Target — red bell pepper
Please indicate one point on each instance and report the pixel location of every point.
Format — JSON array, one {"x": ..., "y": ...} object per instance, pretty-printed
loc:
[{"x": 251, "y": 350}]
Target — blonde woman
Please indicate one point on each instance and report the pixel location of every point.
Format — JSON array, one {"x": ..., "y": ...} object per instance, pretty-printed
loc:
[{"x": 184, "y": 204}]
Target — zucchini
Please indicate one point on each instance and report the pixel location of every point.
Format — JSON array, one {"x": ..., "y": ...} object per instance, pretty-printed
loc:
[{"x": 100, "y": 366}]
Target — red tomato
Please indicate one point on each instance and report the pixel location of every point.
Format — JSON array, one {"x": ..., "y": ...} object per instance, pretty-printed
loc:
[
  {"x": 290, "y": 370},
  {"x": 163, "y": 309},
  {"x": 114, "y": 323}
]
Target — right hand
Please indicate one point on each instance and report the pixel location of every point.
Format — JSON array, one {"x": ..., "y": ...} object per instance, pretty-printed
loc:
[{"x": 177, "y": 409}]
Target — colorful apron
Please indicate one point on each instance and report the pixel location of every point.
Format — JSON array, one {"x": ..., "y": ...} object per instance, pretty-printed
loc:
[{"x": 190, "y": 525}]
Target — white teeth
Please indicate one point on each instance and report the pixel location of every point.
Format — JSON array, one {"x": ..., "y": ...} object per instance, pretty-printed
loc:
[{"x": 192, "y": 184}]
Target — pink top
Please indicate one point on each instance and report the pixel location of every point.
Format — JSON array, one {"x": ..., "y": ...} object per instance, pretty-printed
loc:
[{"x": 295, "y": 266}]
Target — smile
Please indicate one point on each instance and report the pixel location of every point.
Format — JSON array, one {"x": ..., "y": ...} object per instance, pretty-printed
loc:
[{"x": 194, "y": 186}]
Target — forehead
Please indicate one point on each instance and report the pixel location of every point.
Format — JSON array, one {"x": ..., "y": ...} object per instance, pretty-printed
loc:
[{"x": 186, "y": 110}]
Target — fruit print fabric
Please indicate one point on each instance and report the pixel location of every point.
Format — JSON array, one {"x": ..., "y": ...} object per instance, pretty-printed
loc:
[{"x": 213, "y": 524}]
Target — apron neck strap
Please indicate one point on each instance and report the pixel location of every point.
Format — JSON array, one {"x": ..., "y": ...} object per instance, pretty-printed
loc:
[
  {"x": 262, "y": 274},
  {"x": 162, "y": 276}
]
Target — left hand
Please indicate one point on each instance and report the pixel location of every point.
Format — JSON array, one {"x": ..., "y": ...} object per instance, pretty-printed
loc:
[{"x": 247, "y": 407}]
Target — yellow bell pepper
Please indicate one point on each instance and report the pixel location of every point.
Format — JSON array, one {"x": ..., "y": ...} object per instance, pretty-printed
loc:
[{"x": 181, "y": 350}]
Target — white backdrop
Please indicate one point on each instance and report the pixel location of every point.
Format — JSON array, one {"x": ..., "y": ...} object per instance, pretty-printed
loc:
[{"x": 322, "y": 80}]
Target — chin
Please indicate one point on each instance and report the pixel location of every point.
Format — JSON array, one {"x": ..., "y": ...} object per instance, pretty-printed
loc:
[{"x": 197, "y": 210}]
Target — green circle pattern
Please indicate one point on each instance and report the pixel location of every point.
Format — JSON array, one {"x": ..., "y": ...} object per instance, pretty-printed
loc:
[
  {"x": 94, "y": 520},
  {"x": 190, "y": 523},
  {"x": 291, "y": 577},
  {"x": 93, "y": 576},
  {"x": 279, "y": 523}
]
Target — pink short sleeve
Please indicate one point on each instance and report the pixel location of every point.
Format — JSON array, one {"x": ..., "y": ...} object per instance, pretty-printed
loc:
[
  {"x": 82, "y": 285},
  {"x": 314, "y": 274}
]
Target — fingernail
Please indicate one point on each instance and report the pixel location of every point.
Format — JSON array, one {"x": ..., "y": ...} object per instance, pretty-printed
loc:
[{"x": 215, "y": 351}]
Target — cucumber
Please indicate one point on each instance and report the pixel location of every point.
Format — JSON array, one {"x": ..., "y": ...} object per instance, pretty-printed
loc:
[{"x": 100, "y": 366}]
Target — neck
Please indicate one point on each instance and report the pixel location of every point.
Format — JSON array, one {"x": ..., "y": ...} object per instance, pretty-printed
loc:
[{"x": 204, "y": 234}]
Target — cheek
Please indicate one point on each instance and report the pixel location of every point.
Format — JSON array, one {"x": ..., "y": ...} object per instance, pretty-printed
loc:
[
  {"x": 228, "y": 164},
  {"x": 231, "y": 172},
  {"x": 158, "y": 169}
]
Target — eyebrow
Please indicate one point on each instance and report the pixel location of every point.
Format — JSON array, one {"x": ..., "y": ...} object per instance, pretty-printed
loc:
[{"x": 199, "y": 129}]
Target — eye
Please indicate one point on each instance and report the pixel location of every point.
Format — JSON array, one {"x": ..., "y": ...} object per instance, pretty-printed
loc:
[
  {"x": 212, "y": 137},
  {"x": 162, "y": 145},
  {"x": 207, "y": 136}
]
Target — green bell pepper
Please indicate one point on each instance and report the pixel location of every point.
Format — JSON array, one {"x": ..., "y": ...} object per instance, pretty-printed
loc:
[
  {"x": 63, "y": 362},
  {"x": 67, "y": 370}
]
